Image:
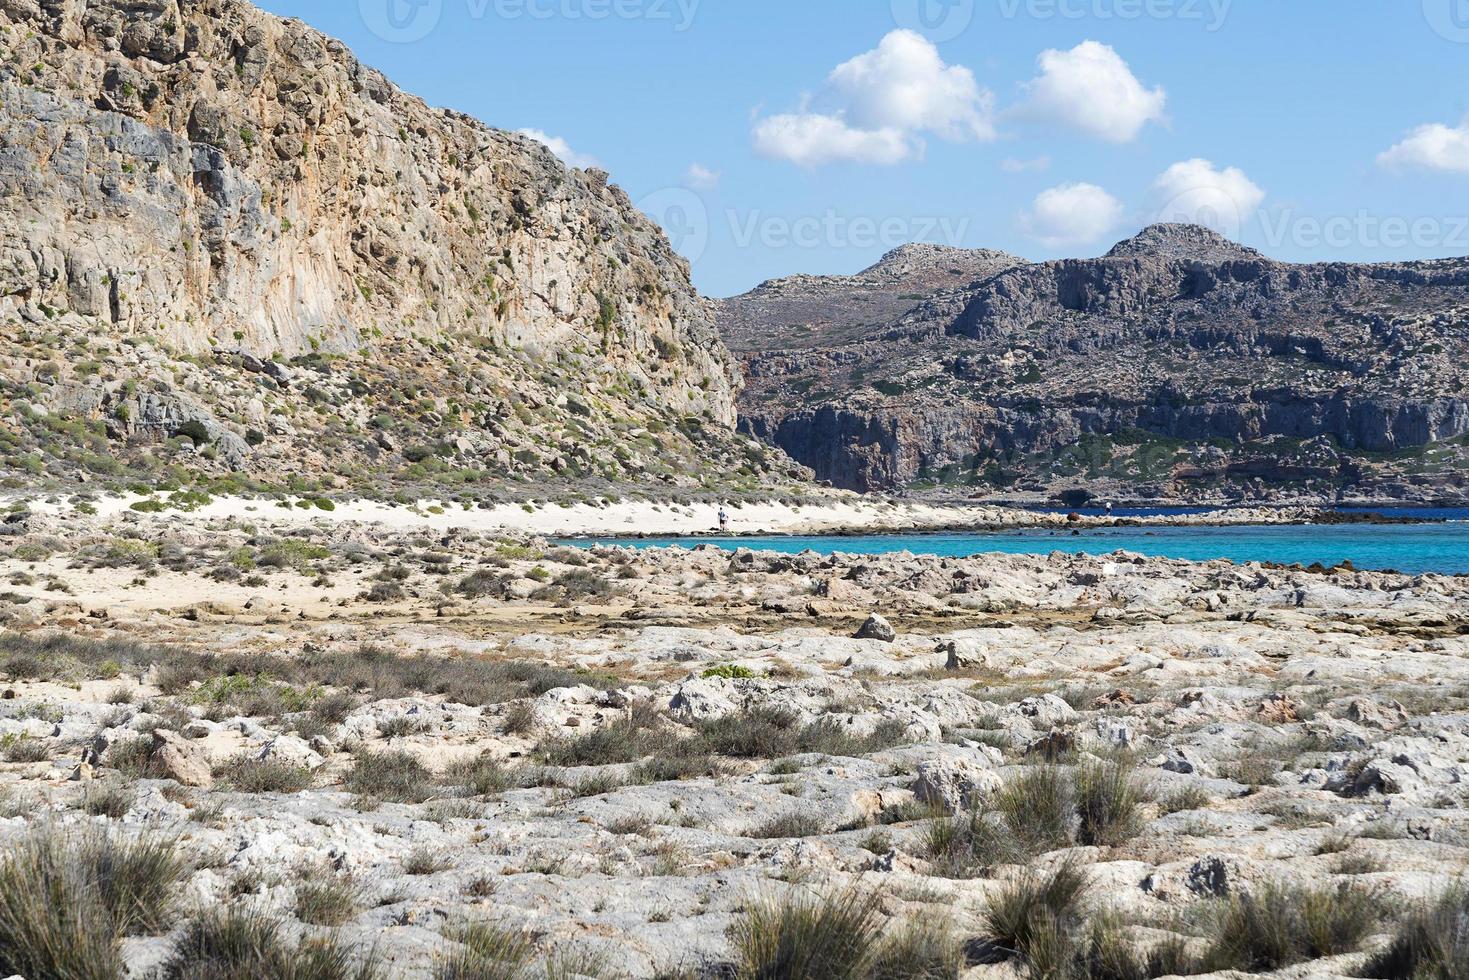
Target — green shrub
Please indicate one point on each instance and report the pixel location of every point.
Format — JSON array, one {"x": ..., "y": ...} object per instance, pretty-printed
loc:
[{"x": 732, "y": 672}]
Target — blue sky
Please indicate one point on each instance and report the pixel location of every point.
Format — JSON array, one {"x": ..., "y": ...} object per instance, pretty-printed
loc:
[{"x": 783, "y": 136}]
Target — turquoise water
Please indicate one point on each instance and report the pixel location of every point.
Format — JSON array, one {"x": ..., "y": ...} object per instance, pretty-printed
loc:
[{"x": 1442, "y": 547}]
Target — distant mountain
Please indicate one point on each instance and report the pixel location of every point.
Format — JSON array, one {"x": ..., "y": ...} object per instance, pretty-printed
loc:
[
  {"x": 1180, "y": 364},
  {"x": 804, "y": 311},
  {"x": 227, "y": 243}
]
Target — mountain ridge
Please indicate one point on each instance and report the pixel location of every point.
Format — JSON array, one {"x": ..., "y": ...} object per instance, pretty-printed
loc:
[{"x": 1177, "y": 364}]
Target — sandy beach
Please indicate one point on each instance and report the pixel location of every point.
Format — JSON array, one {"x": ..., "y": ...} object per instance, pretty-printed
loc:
[{"x": 841, "y": 513}]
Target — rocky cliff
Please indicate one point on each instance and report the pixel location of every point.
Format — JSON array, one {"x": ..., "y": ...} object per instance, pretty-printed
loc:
[
  {"x": 193, "y": 193},
  {"x": 1179, "y": 364}
]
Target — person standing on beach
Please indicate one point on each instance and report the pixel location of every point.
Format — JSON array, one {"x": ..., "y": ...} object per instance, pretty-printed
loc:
[{"x": 723, "y": 519}]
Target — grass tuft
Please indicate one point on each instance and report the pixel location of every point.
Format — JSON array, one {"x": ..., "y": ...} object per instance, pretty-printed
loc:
[
  {"x": 1034, "y": 914},
  {"x": 836, "y": 937},
  {"x": 67, "y": 901},
  {"x": 1280, "y": 925},
  {"x": 396, "y": 777},
  {"x": 1430, "y": 943},
  {"x": 238, "y": 944}
]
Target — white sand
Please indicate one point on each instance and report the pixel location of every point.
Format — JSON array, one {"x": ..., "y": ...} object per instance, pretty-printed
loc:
[
  {"x": 842, "y": 512},
  {"x": 839, "y": 512}
]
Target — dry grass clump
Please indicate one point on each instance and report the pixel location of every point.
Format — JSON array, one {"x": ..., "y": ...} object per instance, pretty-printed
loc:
[
  {"x": 1281, "y": 925},
  {"x": 770, "y": 733},
  {"x": 327, "y": 901},
  {"x": 1044, "y": 808},
  {"x": 1431, "y": 942},
  {"x": 486, "y": 951},
  {"x": 247, "y": 774},
  {"x": 67, "y": 901},
  {"x": 250, "y": 682},
  {"x": 631, "y": 737},
  {"x": 238, "y": 944},
  {"x": 839, "y": 936},
  {"x": 396, "y": 777},
  {"x": 1036, "y": 916}
]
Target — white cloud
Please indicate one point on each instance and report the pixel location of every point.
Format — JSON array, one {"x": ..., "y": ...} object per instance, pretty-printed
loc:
[
  {"x": 1431, "y": 147},
  {"x": 1071, "y": 214},
  {"x": 1197, "y": 192},
  {"x": 1092, "y": 90},
  {"x": 1011, "y": 165},
  {"x": 904, "y": 84},
  {"x": 701, "y": 177},
  {"x": 562, "y": 149},
  {"x": 877, "y": 107},
  {"x": 811, "y": 140}
]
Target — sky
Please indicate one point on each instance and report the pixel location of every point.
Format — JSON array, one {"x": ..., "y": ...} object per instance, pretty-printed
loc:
[{"x": 773, "y": 137}]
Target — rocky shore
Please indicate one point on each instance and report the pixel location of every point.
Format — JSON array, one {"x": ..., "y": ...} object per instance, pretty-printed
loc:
[{"x": 457, "y": 749}]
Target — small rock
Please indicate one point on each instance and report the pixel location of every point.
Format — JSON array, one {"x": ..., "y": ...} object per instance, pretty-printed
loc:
[
  {"x": 1388, "y": 717},
  {"x": 1184, "y": 761},
  {"x": 1209, "y": 876},
  {"x": 175, "y": 757},
  {"x": 877, "y": 628},
  {"x": 1117, "y": 699}
]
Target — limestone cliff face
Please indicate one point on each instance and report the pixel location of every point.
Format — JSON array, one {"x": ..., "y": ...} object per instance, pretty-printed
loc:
[
  {"x": 1179, "y": 363},
  {"x": 211, "y": 175},
  {"x": 218, "y": 225}
]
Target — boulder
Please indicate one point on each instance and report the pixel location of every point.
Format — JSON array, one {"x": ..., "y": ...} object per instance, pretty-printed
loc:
[
  {"x": 175, "y": 757},
  {"x": 290, "y": 750},
  {"x": 877, "y": 628},
  {"x": 1387, "y": 716},
  {"x": 956, "y": 783}
]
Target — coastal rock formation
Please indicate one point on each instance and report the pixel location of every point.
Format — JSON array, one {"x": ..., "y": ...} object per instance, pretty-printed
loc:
[
  {"x": 193, "y": 191},
  {"x": 1180, "y": 363}
]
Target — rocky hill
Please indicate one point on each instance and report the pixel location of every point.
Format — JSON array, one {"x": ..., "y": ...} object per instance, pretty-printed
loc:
[
  {"x": 1180, "y": 364},
  {"x": 226, "y": 243}
]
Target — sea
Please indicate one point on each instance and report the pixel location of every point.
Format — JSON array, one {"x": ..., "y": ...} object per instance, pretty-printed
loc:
[{"x": 1436, "y": 540}]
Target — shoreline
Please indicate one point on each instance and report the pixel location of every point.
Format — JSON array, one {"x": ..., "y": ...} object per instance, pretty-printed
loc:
[{"x": 840, "y": 515}]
